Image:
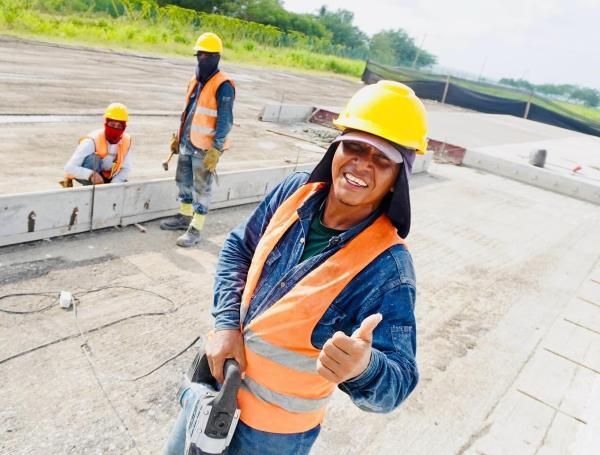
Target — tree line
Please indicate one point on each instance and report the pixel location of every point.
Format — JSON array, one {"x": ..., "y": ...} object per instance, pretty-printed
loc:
[
  {"x": 391, "y": 47},
  {"x": 588, "y": 96}
]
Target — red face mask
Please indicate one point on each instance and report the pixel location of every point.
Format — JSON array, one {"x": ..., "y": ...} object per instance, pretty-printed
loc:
[{"x": 113, "y": 135}]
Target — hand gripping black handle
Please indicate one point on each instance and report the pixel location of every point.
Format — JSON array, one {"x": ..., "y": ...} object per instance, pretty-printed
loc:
[{"x": 225, "y": 403}]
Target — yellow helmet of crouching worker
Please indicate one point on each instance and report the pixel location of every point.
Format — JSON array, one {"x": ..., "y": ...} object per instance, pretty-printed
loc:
[
  {"x": 208, "y": 42},
  {"x": 116, "y": 111},
  {"x": 390, "y": 110}
]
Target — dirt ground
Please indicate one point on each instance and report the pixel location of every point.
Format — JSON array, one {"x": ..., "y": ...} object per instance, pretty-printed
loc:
[
  {"x": 48, "y": 80},
  {"x": 487, "y": 290},
  {"x": 497, "y": 262}
]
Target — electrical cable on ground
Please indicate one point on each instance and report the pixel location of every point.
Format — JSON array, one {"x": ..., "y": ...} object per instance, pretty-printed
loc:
[
  {"x": 21, "y": 294},
  {"x": 81, "y": 333},
  {"x": 86, "y": 348}
]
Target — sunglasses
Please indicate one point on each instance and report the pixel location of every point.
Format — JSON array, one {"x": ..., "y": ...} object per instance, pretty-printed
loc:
[{"x": 361, "y": 147}]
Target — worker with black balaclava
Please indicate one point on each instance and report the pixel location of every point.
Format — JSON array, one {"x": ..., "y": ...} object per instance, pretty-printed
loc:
[{"x": 202, "y": 137}]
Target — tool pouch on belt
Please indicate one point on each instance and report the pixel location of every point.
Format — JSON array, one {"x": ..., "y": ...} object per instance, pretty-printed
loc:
[{"x": 213, "y": 419}]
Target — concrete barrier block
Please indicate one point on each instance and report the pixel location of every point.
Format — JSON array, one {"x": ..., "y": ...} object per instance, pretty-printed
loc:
[
  {"x": 286, "y": 113},
  {"x": 145, "y": 201},
  {"x": 33, "y": 216},
  {"x": 532, "y": 175}
]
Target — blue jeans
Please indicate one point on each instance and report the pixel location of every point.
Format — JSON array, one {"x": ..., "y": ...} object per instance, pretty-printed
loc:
[
  {"x": 246, "y": 440},
  {"x": 194, "y": 181},
  {"x": 94, "y": 163}
]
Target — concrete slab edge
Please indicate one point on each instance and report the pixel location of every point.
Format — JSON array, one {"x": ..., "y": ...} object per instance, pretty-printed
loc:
[
  {"x": 39, "y": 215},
  {"x": 26, "y": 217},
  {"x": 532, "y": 175}
]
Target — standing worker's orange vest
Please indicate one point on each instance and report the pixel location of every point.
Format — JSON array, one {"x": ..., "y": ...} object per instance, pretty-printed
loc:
[
  {"x": 204, "y": 122},
  {"x": 101, "y": 145},
  {"x": 282, "y": 391}
]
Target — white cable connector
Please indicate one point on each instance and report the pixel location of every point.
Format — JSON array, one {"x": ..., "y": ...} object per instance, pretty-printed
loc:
[{"x": 65, "y": 300}]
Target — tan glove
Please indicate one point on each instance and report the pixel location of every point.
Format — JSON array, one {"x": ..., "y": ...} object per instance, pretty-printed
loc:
[
  {"x": 66, "y": 182},
  {"x": 211, "y": 159},
  {"x": 174, "y": 147}
]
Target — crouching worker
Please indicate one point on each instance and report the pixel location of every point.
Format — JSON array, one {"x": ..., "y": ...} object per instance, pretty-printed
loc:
[
  {"x": 316, "y": 289},
  {"x": 102, "y": 156}
]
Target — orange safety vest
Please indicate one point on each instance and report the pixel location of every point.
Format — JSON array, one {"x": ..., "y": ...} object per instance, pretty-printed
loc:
[
  {"x": 101, "y": 149},
  {"x": 204, "y": 122},
  {"x": 282, "y": 391}
]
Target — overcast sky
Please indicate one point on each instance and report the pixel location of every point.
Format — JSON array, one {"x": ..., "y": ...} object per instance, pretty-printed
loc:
[{"x": 554, "y": 41}]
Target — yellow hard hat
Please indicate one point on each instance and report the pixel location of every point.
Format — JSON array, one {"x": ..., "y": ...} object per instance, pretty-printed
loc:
[
  {"x": 390, "y": 110},
  {"x": 116, "y": 111},
  {"x": 208, "y": 42}
]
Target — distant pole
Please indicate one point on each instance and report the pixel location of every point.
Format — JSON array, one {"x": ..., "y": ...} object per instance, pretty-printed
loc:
[
  {"x": 446, "y": 89},
  {"x": 482, "y": 68},
  {"x": 528, "y": 105},
  {"x": 414, "y": 63}
]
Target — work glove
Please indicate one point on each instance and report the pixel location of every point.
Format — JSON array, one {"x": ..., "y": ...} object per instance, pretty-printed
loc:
[
  {"x": 66, "y": 182},
  {"x": 174, "y": 147},
  {"x": 211, "y": 159}
]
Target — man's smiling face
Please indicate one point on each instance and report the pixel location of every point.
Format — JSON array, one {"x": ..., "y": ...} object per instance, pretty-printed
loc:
[{"x": 362, "y": 175}]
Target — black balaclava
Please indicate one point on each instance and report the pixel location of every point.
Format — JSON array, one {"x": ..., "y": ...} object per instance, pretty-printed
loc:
[
  {"x": 396, "y": 204},
  {"x": 207, "y": 66}
]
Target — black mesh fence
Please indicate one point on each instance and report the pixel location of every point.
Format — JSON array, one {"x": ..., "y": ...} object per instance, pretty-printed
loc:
[{"x": 482, "y": 97}]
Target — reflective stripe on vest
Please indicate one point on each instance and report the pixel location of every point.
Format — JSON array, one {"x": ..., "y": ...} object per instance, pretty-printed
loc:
[
  {"x": 278, "y": 354},
  {"x": 101, "y": 149},
  {"x": 204, "y": 122},
  {"x": 282, "y": 391},
  {"x": 203, "y": 130},
  {"x": 291, "y": 404}
]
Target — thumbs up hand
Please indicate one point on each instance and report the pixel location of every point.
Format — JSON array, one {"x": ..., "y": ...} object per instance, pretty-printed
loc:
[{"x": 344, "y": 357}]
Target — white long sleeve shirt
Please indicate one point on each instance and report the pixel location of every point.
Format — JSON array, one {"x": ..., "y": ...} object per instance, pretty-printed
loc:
[{"x": 86, "y": 147}]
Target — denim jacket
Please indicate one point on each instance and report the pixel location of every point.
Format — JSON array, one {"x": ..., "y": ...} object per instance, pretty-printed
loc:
[{"x": 386, "y": 286}]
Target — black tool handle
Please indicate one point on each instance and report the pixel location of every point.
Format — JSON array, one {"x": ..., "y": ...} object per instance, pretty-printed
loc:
[
  {"x": 227, "y": 397},
  {"x": 200, "y": 370},
  {"x": 224, "y": 405}
]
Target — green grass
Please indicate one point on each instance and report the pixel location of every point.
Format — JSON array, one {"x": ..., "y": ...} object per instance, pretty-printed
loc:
[
  {"x": 168, "y": 30},
  {"x": 299, "y": 59},
  {"x": 584, "y": 111}
]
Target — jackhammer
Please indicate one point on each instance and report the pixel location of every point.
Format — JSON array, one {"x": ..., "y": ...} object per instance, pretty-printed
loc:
[{"x": 215, "y": 414}]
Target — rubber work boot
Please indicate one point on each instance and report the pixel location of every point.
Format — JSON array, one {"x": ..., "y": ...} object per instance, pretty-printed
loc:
[
  {"x": 189, "y": 238},
  {"x": 178, "y": 222}
]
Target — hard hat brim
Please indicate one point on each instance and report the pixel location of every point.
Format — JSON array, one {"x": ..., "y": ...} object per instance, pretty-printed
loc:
[
  {"x": 366, "y": 126},
  {"x": 380, "y": 144},
  {"x": 204, "y": 49}
]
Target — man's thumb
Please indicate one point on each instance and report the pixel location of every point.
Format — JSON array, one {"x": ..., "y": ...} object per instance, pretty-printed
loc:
[{"x": 365, "y": 331}]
